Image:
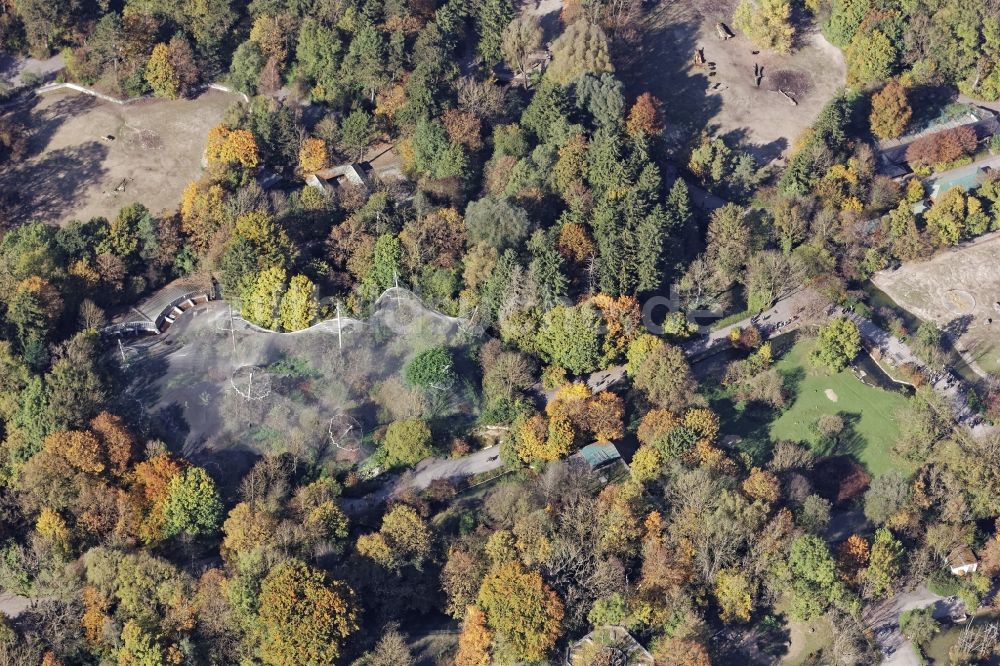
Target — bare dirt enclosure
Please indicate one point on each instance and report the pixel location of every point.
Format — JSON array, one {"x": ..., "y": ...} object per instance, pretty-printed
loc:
[
  {"x": 77, "y": 171},
  {"x": 958, "y": 290},
  {"x": 722, "y": 95}
]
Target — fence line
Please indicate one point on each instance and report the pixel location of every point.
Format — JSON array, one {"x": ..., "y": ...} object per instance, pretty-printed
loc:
[{"x": 52, "y": 87}]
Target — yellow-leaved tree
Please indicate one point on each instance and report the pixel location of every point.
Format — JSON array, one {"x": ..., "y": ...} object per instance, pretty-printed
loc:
[
  {"x": 313, "y": 155},
  {"x": 524, "y": 613},
  {"x": 304, "y": 617},
  {"x": 160, "y": 73},
  {"x": 766, "y": 23},
  {"x": 299, "y": 305}
]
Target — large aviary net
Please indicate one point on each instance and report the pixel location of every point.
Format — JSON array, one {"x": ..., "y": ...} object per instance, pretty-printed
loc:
[{"x": 215, "y": 382}]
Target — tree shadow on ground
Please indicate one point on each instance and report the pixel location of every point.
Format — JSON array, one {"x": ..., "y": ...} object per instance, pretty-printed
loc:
[
  {"x": 659, "y": 64},
  {"x": 764, "y": 642},
  {"x": 763, "y": 153},
  {"x": 45, "y": 186},
  {"x": 928, "y": 101},
  {"x": 848, "y": 442},
  {"x": 227, "y": 466},
  {"x": 42, "y": 123},
  {"x": 956, "y": 328},
  {"x": 48, "y": 188}
]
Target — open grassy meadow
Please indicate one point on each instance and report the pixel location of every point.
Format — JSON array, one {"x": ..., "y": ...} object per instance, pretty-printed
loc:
[{"x": 869, "y": 414}]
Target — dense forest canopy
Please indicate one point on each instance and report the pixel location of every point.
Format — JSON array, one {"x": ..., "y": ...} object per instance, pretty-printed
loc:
[{"x": 534, "y": 197}]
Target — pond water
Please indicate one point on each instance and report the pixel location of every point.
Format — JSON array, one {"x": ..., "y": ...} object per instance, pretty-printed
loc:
[
  {"x": 875, "y": 376},
  {"x": 937, "y": 651}
]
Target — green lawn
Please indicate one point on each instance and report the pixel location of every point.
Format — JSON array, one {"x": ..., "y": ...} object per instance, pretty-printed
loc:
[
  {"x": 807, "y": 640},
  {"x": 869, "y": 414}
]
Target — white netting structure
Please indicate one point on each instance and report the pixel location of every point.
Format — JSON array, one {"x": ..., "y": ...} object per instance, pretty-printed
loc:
[
  {"x": 215, "y": 381},
  {"x": 251, "y": 383},
  {"x": 345, "y": 432}
]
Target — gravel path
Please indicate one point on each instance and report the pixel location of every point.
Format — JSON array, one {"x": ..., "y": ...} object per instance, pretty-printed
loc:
[
  {"x": 883, "y": 618},
  {"x": 946, "y": 384}
]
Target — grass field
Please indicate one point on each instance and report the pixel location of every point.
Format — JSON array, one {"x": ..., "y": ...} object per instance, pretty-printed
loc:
[
  {"x": 869, "y": 414},
  {"x": 807, "y": 640}
]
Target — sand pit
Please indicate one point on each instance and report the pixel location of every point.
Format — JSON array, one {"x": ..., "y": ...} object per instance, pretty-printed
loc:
[
  {"x": 957, "y": 290},
  {"x": 831, "y": 395}
]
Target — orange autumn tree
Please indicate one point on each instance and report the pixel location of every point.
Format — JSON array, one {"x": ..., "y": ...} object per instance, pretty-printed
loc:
[
  {"x": 574, "y": 243},
  {"x": 304, "y": 617},
  {"x": 762, "y": 485},
  {"x": 645, "y": 116},
  {"x": 81, "y": 449},
  {"x": 681, "y": 652},
  {"x": 474, "y": 641},
  {"x": 116, "y": 441},
  {"x": 95, "y": 616},
  {"x": 151, "y": 487},
  {"x": 852, "y": 557},
  {"x": 463, "y": 128},
  {"x": 622, "y": 321},
  {"x": 605, "y": 416}
]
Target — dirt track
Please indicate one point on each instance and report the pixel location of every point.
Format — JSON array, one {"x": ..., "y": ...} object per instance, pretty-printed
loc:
[
  {"x": 724, "y": 99},
  {"x": 73, "y": 169}
]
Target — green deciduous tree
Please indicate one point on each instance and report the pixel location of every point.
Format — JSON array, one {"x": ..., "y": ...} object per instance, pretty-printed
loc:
[
  {"x": 432, "y": 368},
  {"x": 919, "y": 625},
  {"x": 384, "y": 270},
  {"x": 244, "y": 72},
  {"x": 407, "y": 442},
  {"x": 887, "y": 495},
  {"x": 884, "y": 563},
  {"x": 139, "y": 647},
  {"x": 839, "y": 342},
  {"x": 871, "y": 58},
  {"x": 192, "y": 506},
  {"x": 815, "y": 582},
  {"x": 570, "y": 337},
  {"x": 498, "y": 222},
  {"x": 521, "y": 37},
  {"x": 665, "y": 377},
  {"x": 434, "y": 155}
]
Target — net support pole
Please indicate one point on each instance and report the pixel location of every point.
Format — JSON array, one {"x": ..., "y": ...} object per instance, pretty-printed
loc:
[
  {"x": 340, "y": 335},
  {"x": 395, "y": 280},
  {"x": 232, "y": 330}
]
